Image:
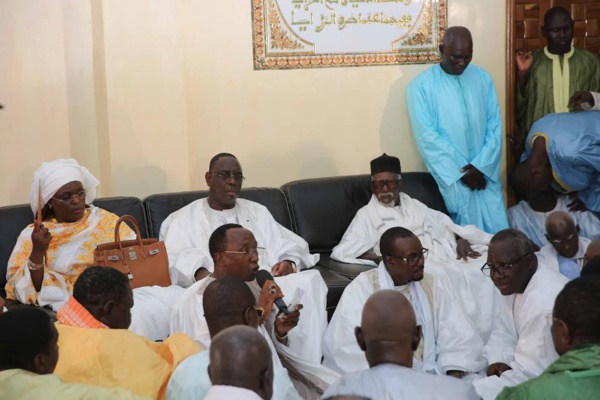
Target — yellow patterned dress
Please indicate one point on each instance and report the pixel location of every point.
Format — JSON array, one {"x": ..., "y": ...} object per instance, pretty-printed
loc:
[{"x": 71, "y": 251}]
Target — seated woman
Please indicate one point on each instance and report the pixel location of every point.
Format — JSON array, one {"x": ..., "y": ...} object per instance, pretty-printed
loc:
[{"x": 49, "y": 256}]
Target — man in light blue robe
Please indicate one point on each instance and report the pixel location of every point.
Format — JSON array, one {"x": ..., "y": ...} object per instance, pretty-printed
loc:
[
  {"x": 456, "y": 124},
  {"x": 563, "y": 151}
]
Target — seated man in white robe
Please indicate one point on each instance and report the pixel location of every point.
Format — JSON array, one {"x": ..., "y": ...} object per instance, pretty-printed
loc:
[
  {"x": 565, "y": 252},
  {"x": 235, "y": 254},
  {"x": 449, "y": 244},
  {"x": 388, "y": 336},
  {"x": 227, "y": 302},
  {"x": 529, "y": 215},
  {"x": 450, "y": 344},
  {"x": 520, "y": 346},
  {"x": 285, "y": 254},
  {"x": 240, "y": 366}
]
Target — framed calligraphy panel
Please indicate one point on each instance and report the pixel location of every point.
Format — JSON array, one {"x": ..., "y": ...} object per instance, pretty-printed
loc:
[{"x": 335, "y": 33}]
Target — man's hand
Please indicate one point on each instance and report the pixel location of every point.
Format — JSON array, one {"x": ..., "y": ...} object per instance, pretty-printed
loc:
[
  {"x": 497, "y": 369},
  {"x": 282, "y": 268},
  {"x": 2, "y": 304},
  {"x": 576, "y": 204},
  {"x": 516, "y": 142},
  {"x": 285, "y": 323},
  {"x": 524, "y": 60},
  {"x": 464, "y": 250},
  {"x": 579, "y": 98},
  {"x": 269, "y": 292},
  {"x": 200, "y": 274},
  {"x": 473, "y": 178},
  {"x": 455, "y": 373}
]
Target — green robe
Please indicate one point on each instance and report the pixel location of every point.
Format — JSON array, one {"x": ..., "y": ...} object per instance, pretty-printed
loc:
[
  {"x": 537, "y": 99},
  {"x": 575, "y": 375}
]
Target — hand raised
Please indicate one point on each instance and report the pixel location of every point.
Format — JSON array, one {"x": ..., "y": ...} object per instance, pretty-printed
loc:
[
  {"x": 269, "y": 292},
  {"x": 524, "y": 60},
  {"x": 41, "y": 238}
]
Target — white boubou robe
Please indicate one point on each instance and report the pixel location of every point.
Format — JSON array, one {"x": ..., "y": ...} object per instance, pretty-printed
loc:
[
  {"x": 549, "y": 257},
  {"x": 188, "y": 317},
  {"x": 521, "y": 336},
  {"x": 395, "y": 382},
  {"x": 449, "y": 340},
  {"x": 186, "y": 233},
  {"x": 436, "y": 231}
]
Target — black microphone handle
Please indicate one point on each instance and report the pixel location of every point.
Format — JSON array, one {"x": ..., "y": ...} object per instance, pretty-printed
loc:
[{"x": 281, "y": 305}]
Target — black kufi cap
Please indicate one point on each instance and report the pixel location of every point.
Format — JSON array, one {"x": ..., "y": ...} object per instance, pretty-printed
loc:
[{"x": 385, "y": 163}]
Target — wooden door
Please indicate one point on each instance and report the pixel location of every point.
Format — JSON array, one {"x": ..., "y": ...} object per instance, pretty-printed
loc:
[{"x": 525, "y": 18}]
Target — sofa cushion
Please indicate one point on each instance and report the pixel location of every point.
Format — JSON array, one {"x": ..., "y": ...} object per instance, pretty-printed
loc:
[
  {"x": 323, "y": 208},
  {"x": 13, "y": 219},
  {"x": 160, "y": 206},
  {"x": 335, "y": 287}
]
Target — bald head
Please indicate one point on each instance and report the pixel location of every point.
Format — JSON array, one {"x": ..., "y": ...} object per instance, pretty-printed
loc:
[
  {"x": 561, "y": 232},
  {"x": 593, "y": 249},
  {"x": 228, "y": 301},
  {"x": 388, "y": 331},
  {"x": 240, "y": 357}
]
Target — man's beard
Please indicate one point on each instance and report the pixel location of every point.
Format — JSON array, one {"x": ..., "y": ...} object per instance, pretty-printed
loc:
[{"x": 386, "y": 196}]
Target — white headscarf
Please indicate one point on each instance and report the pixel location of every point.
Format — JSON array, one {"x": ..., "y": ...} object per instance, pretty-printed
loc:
[{"x": 54, "y": 175}]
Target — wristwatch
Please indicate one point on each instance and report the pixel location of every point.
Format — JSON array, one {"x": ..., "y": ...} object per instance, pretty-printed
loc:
[{"x": 293, "y": 264}]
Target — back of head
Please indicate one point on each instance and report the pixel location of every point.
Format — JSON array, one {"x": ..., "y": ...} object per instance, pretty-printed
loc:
[
  {"x": 386, "y": 243},
  {"x": 218, "y": 239},
  {"x": 24, "y": 333},
  {"x": 98, "y": 286},
  {"x": 591, "y": 268},
  {"x": 388, "y": 331},
  {"x": 240, "y": 357},
  {"x": 578, "y": 305},
  {"x": 228, "y": 301}
]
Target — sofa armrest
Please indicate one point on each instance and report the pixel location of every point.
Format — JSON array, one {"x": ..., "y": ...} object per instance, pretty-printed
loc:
[{"x": 347, "y": 270}]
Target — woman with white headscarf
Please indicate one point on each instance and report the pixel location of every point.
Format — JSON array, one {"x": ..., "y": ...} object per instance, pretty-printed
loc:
[{"x": 49, "y": 257}]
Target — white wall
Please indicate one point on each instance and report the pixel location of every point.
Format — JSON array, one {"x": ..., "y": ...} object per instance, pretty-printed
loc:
[{"x": 145, "y": 92}]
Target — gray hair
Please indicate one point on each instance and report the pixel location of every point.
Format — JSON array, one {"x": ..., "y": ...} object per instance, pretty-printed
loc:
[{"x": 521, "y": 243}]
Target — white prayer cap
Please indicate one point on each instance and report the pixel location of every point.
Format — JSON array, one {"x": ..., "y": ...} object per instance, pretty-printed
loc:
[{"x": 54, "y": 175}]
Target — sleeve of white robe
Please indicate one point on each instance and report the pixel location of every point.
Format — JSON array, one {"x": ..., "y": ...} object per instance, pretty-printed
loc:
[
  {"x": 488, "y": 159},
  {"x": 281, "y": 243},
  {"x": 182, "y": 243},
  {"x": 340, "y": 349},
  {"x": 458, "y": 345},
  {"x": 534, "y": 350},
  {"x": 359, "y": 238},
  {"x": 503, "y": 339},
  {"x": 443, "y": 160}
]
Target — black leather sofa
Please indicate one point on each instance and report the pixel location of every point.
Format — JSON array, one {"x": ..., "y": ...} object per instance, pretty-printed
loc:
[{"x": 319, "y": 210}]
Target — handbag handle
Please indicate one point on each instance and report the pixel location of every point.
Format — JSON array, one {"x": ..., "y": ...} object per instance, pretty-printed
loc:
[{"x": 135, "y": 228}]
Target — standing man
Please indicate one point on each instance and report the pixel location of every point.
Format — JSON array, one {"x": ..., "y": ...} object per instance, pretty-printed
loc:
[
  {"x": 456, "y": 123},
  {"x": 548, "y": 77}
]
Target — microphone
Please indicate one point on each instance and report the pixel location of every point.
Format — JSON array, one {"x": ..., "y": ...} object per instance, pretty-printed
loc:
[{"x": 261, "y": 277}]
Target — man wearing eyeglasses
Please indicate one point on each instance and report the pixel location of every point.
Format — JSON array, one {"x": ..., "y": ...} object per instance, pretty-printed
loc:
[
  {"x": 235, "y": 254},
  {"x": 566, "y": 250},
  {"x": 453, "y": 248},
  {"x": 286, "y": 255},
  {"x": 450, "y": 344},
  {"x": 520, "y": 346},
  {"x": 226, "y": 302}
]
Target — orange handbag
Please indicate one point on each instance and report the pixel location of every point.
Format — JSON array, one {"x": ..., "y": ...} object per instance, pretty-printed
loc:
[{"x": 144, "y": 261}]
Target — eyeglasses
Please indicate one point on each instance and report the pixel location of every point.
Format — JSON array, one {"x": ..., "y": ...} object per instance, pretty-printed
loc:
[
  {"x": 390, "y": 183},
  {"x": 225, "y": 176},
  {"x": 247, "y": 253},
  {"x": 558, "y": 242},
  {"x": 501, "y": 269},
  {"x": 413, "y": 260},
  {"x": 68, "y": 198}
]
